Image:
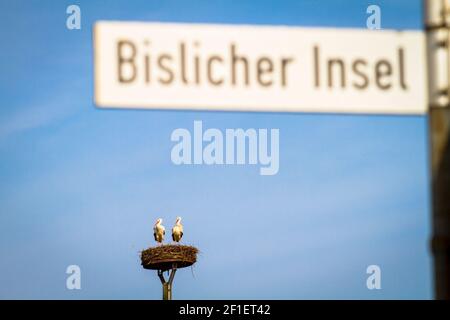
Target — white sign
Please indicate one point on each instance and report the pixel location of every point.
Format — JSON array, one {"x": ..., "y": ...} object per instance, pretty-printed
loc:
[{"x": 259, "y": 68}]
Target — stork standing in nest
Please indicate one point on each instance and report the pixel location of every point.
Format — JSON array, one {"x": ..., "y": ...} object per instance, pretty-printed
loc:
[
  {"x": 177, "y": 230},
  {"x": 159, "y": 231}
]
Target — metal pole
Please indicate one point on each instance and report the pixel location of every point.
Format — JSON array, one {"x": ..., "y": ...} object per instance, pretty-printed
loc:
[
  {"x": 437, "y": 33},
  {"x": 167, "y": 291},
  {"x": 167, "y": 285}
]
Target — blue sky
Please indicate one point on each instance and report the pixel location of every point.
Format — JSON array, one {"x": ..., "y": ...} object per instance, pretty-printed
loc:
[{"x": 80, "y": 185}]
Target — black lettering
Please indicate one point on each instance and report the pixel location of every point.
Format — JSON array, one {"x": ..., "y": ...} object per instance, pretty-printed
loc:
[
  {"x": 126, "y": 60},
  {"x": 147, "y": 68},
  {"x": 147, "y": 63},
  {"x": 357, "y": 71},
  {"x": 165, "y": 68},
  {"x": 211, "y": 79},
  {"x": 402, "y": 69},
  {"x": 284, "y": 63},
  {"x": 380, "y": 74},
  {"x": 316, "y": 67},
  {"x": 339, "y": 63},
  {"x": 234, "y": 60},
  {"x": 183, "y": 62},
  {"x": 197, "y": 66},
  {"x": 264, "y": 70}
]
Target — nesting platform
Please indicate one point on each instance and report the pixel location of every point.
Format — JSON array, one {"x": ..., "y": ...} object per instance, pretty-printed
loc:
[{"x": 164, "y": 257}]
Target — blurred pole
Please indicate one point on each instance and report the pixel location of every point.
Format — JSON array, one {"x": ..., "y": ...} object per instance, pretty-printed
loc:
[
  {"x": 437, "y": 14},
  {"x": 167, "y": 291},
  {"x": 167, "y": 285}
]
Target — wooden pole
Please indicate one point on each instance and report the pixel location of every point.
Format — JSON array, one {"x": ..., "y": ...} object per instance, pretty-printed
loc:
[
  {"x": 167, "y": 291},
  {"x": 437, "y": 33},
  {"x": 167, "y": 285},
  {"x": 440, "y": 242}
]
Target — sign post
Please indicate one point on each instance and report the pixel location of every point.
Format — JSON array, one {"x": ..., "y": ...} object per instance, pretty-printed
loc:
[{"x": 437, "y": 28}]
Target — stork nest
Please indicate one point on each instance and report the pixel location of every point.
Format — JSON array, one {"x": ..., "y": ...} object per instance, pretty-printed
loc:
[{"x": 166, "y": 256}]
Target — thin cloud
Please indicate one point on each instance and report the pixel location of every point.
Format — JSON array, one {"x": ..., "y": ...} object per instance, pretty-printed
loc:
[{"x": 44, "y": 113}]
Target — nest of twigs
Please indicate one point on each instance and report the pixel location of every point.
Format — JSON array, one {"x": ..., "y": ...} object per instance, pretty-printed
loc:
[{"x": 164, "y": 257}]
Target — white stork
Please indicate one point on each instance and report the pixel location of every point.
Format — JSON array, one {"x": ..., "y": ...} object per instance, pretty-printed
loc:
[
  {"x": 159, "y": 231},
  {"x": 177, "y": 230}
]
